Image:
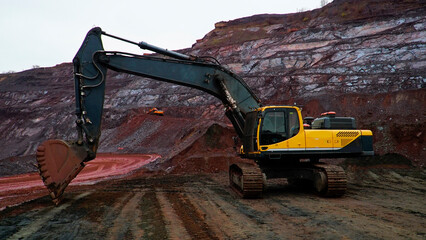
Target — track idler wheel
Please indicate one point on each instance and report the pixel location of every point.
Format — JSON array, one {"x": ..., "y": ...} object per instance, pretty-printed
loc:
[
  {"x": 330, "y": 180},
  {"x": 320, "y": 181},
  {"x": 59, "y": 162}
]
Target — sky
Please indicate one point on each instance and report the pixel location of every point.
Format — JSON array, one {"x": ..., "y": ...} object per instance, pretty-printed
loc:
[{"x": 45, "y": 33}]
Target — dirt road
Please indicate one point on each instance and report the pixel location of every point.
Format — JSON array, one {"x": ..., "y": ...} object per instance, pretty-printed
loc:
[
  {"x": 380, "y": 204},
  {"x": 24, "y": 187}
]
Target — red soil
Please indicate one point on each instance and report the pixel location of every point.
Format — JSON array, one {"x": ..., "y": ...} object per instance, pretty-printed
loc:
[{"x": 25, "y": 187}]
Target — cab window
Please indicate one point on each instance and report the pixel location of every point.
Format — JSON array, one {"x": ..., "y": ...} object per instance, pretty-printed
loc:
[
  {"x": 273, "y": 128},
  {"x": 293, "y": 120},
  {"x": 279, "y": 125}
]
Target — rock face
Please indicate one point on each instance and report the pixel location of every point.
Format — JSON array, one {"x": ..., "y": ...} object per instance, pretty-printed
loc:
[{"x": 364, "y": 59}]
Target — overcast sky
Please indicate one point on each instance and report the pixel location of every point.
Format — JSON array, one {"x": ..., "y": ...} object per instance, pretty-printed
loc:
[{"x": 49, "y": 32}]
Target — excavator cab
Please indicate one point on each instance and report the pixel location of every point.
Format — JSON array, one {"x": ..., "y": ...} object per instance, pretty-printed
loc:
[
  {"x": 278, "y": 132},
  {"x": 277, "y": 125},
  {"x": 270, "y": 126}
]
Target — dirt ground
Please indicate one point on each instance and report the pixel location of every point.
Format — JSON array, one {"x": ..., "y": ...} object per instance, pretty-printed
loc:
[{"x": 380, "y": 204}]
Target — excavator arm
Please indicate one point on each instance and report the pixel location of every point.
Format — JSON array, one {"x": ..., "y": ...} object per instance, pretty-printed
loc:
[
  {"x": 60, "y": 161},
  {"x": 91, "y": 64}
]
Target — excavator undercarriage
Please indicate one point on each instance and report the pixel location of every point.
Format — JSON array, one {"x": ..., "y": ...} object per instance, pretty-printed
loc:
[{"x": 327, "y": 180}]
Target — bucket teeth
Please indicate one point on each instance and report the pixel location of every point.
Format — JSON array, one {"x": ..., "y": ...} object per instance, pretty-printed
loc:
[
  {"x": 40, "y": 148},
  {"x": 57, "y": 200},
  {"x": 47, "y": 180},
  {"x": 43, "y": 169},
  {"x": 52, "y": 195},
  {"x": 58, "y": 164}
]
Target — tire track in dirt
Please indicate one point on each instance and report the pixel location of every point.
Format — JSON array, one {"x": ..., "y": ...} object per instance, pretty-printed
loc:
[
  {"x": 193, "y": 219},
  {"x": 305, "y": 214},
  {"x": 136, "y": 215},
  {"x": 174, "y": 224},
  {"x": 40, "y": 221},
  {"x": 231, "y": 217},
  {"x": 335, "y": 217},
  {"x": 388, "y": 211},
  {"x": 223, "y": 217},
  {"x": 111, "y": 213},
  {"x": 204, "y": 207},
  {"x": 126, "y": 224},
  {"x": 153, "y": 222},
  {"x": 310, "y": 218}
]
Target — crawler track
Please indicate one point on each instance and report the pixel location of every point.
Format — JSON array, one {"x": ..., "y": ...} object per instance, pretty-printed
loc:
[
  {"x": 246, "y": 180},
  {"x": 336, "y": 180}
]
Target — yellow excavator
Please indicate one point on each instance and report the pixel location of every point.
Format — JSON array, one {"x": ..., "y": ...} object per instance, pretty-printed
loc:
[
  {"x": 155, "y": 111},
  {"x": 276, "y": 138}
]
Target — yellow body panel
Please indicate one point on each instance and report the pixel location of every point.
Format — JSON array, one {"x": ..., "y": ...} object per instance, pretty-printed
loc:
[
  {"x": 319, "y": 139},
  {"x": 366, "y": 133},
  {"x": 297, "y": 142},
  {"x": 310, "y": 140},
  {"x": 342, "y": 138}
]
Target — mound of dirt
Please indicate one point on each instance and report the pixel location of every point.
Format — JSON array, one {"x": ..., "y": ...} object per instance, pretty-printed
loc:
[{"x": 213, "y": 152}]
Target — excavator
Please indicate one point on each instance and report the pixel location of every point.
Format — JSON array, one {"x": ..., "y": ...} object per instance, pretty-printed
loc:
[
  {"x": 277, "y": 139},
  {"x": 155, "y": 111}
]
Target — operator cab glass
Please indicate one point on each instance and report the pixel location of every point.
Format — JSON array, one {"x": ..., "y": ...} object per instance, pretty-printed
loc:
[{"x": 278, "y": 124}]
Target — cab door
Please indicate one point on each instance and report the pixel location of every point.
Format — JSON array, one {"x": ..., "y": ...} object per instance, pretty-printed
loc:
[
  {"x": 274, "y": 127},
  {"x": 296, "y": 141},
  {"x": 280, "y": 130}
]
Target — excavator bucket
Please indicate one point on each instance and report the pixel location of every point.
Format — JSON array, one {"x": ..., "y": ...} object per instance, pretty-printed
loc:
[{"x": 59, "y": 162}]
